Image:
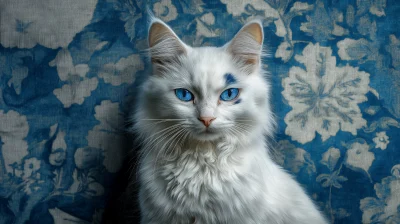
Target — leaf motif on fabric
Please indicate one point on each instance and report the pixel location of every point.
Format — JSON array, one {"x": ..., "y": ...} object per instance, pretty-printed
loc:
[
  {"x": 341, "y": 213},
  {"x": 13, "y": 65},
  {"x": 323, "y": 25},
  {"x": 383, "y": 123},
  {"x": 249, "y": 10},
  {"x": 205, "y": 28},
  {"x": 279, "y": 5},
  {"x": 367, "y": 27},
  {"x": 18, "y": 75},
  {"x": 378, "y": 7},
  {"x": 293, "y": 158},
  {"x": 130, "y": 13},
  {"x": 85, "y": 47},
  {"x": 386, "y": 122},
  {"x": 350, "y": 15},
  {"x": 299, "y": 8},
  {"x": 61, "y": 217},
  {"x": 361, "y": 50},
  {"x": 331, "y": 180},
  {"x": 394, "y": 50}
]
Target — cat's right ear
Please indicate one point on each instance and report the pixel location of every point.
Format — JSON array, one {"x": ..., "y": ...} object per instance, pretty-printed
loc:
[
  {"x": 164, "y": 44},
  {"x": 246, "y": 46}
]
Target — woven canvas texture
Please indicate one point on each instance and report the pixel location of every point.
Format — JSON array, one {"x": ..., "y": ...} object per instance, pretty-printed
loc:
[{"x": 67, "y": 68}]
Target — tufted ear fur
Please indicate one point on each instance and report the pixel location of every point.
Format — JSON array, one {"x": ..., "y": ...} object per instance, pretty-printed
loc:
[
  {"x": 165, "y": 45},
  {"x": 246, "y": 46}
]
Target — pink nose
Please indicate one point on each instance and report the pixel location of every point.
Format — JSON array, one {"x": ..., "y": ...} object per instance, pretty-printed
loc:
[{"x": 206, "y": 120}]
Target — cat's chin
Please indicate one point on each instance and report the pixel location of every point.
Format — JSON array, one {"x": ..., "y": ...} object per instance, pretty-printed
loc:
[{"x": 207, "y": 136}]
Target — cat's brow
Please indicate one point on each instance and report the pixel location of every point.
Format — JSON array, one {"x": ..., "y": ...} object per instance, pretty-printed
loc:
[{"x": 229, "y": 79}]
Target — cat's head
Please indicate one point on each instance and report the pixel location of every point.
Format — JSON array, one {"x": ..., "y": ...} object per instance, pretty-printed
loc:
[{"x": 205, "y": 93}]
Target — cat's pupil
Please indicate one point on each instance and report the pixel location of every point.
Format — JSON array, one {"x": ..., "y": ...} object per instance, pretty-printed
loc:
[
  {"x": 229, "y": 92},
  {"x": 184, "y": 93}
]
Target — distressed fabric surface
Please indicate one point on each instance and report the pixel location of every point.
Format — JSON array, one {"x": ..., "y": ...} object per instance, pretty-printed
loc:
[{"x": 67, "y": 67}]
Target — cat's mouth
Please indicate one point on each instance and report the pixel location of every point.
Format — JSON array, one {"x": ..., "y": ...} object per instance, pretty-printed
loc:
[
  {"x": 208, "y": 131},
  {"x": 208, "y": 134}
]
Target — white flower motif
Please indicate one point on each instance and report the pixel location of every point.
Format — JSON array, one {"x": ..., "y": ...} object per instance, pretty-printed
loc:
[
  {"x": 385, "y": 207},
  {"x": 123, "y": 71},
  {"x": 284, "y": 51},
  {"x": 79, "y": 87},
  {"x": 396, "y": 170},
  {"x": 76, "y": 92},
  {"x": 330, "y": 158},
  {"x": 324, "y": 97},
  {"x": 165, "y": 10},
  {"x": 359, "y": 158},
  {"x": 381, "y": 140},
  {"x": 23, "y": 25},
  {"x": 108, "y": 135},
  {"x": 13, "y": 130},
  {"x": 65, "y": 68},
  {"x": 31, "y": 166}
]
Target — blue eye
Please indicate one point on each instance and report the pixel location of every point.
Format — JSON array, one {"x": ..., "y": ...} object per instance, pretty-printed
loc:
[
  {"x": 184, "y": 94},
  {"x": 229, "y": 94}
]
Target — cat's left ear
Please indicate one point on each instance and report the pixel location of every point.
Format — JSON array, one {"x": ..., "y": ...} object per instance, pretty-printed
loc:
[{"x": 247, "y": 44}]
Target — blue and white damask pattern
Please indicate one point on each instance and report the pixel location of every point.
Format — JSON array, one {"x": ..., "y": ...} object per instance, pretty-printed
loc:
[{"x": 67, "y": 69}]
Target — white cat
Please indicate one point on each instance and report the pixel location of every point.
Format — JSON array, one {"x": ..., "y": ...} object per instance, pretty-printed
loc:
[{"x": 202, "y": 118}]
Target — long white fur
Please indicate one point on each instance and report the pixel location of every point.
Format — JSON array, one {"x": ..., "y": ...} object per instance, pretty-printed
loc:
[{"x": 223, "y": 177}]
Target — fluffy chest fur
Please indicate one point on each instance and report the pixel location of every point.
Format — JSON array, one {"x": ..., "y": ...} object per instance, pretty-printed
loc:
[{"x": 210, "y": 186}]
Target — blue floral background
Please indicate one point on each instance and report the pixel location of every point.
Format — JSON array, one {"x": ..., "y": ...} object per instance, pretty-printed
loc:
[{"x": 67, "y": 70}]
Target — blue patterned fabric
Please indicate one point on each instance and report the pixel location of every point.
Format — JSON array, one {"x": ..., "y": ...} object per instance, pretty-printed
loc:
[{"x": 67, "y": 67}]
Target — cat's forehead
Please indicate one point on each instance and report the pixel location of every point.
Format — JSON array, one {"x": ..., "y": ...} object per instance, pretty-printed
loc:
[
  {"x": 211, "y": 66},
  {"x": 213, "y": 56}
]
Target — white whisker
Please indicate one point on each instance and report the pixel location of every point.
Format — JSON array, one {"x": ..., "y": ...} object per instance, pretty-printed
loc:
[
  {"x": 147, "y": 149},
  {"x": 168, "y": 119}
]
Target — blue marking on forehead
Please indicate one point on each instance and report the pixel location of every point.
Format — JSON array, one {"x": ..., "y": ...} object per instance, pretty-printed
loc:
[
  {"x": 229, "y": 79},
  {"x": 238, "y": 101}
]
